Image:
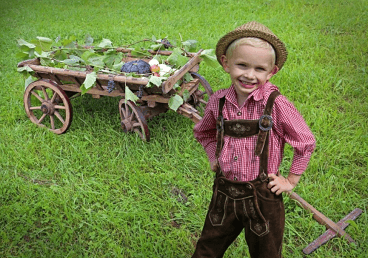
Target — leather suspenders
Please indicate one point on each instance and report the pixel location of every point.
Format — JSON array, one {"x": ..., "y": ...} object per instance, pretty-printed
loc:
[{"x": 241, "y": 128}]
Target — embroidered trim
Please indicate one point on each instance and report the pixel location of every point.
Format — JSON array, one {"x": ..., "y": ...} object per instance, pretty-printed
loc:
[{"x": 239, "y": 128}]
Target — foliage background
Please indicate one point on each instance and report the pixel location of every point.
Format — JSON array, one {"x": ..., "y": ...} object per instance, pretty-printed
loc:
[{"x": 97, "y": 192}]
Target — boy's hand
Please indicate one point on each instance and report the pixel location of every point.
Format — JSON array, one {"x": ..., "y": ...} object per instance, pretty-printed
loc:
[
  {"x": 280, "y": 184},
  {"x": 214, "y": 165}
]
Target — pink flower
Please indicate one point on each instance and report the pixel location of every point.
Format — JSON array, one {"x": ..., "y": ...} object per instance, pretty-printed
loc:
[{"x": 155, "y": 69}]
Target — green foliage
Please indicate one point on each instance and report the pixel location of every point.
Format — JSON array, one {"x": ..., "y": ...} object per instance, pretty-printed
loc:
[
  {"x": 155, "y": 81},
  {"x": 209, "y": 57},
  {"x": 103, "y": 58},
  {"x": 175, "y": 102},
  {"x": 89, "y": 82},
  {"x": 176, "y": 58},
  {"x": 129, "y": 95}
]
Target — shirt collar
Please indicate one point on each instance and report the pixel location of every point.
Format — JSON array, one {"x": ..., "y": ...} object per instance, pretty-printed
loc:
[{"x": 258, "y": 95}]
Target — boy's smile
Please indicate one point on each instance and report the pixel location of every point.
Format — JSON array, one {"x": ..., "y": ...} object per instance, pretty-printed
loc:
[{"x": 249, "y": 68}]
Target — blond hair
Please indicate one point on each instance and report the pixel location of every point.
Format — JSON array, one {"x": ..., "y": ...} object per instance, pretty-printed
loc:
[{"x": 251, "y": 41}]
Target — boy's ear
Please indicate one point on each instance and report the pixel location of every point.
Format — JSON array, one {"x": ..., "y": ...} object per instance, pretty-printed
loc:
[
  {"x": 224, "y": 63},
  {"x": 274, "y": 70}
]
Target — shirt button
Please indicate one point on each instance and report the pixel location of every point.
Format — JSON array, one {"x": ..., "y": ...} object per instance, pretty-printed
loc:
[
  {"x": 239, "y": 113},
  {"x": 235, "y": 178},
  {"x": 236, "y": 158}
]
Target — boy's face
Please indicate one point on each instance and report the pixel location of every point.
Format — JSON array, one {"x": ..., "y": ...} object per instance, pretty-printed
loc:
[{"x": 249, "y": 68}]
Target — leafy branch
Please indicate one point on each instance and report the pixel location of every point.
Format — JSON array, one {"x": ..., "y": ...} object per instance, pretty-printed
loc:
[{"x": 67, "y": 53}]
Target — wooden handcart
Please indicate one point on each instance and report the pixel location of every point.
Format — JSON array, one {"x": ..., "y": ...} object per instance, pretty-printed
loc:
[{"x": 47, "y": 100}]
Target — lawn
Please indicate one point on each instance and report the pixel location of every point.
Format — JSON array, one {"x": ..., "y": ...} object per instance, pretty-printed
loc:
[{"x": 98, "y": 192}]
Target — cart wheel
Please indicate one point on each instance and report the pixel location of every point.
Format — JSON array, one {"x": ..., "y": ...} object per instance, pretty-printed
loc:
[
  {"x": 199, "y": 97},
  {"x": 47, "y": 105},
  {"x": 132, "y": 119}
]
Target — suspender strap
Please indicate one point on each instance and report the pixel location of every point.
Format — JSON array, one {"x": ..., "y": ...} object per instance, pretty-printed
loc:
[
  {"x": 265, "y": 123},
  {"x": 220, "y": 136},
  {"x": 220, "y": 128}
]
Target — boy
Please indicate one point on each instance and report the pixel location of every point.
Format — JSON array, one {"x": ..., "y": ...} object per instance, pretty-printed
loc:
[{"x": 243, "y": 131}]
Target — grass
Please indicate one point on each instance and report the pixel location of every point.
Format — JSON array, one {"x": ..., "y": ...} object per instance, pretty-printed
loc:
[{"x": 97, "y": 192}]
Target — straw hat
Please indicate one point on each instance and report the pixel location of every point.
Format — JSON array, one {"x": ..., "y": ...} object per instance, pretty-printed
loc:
[{"x": 257, "y": 30}]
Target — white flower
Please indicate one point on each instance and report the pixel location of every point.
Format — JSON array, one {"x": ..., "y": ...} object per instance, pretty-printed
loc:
[
  {"x": 153, "y": 62},
  {"x": 164, "y": 69}
]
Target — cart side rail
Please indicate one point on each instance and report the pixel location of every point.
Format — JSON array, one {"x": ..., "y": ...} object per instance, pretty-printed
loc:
[{"x": 170, "y": 82}]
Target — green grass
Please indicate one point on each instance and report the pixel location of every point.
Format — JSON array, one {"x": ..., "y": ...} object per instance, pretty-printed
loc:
[{"x": 98, "y": 192}]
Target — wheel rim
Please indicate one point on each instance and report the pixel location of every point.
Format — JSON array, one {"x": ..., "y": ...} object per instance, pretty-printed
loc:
[
  {"x": 47, "y": 105},
  {"x": 132, "y": 119}
]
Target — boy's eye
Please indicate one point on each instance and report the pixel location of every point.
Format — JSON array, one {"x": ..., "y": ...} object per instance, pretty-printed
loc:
[{"x": 261, "y": 69}]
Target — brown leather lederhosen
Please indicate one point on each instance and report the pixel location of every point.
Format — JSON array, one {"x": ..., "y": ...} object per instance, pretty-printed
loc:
[{"x": 250, "y": 205}]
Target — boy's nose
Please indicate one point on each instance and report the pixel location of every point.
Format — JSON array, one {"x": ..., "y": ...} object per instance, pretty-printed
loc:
[{"x": 249, "y": 74}]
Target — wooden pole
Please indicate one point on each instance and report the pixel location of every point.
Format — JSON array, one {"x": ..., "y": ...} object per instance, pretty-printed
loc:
[{"x": 322, "y": 219}]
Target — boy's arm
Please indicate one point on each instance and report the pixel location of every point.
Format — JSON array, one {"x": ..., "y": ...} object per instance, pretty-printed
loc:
[
  {"x": 292, "y": 128},
  {"x": 205, "y": 130}
]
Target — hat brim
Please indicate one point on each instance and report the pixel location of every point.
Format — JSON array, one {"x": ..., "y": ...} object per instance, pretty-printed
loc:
[{"x": 277, "y": 44}]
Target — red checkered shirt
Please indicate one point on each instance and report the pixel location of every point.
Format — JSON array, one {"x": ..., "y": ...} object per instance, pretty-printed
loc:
[{"x": 237, "y": 159}]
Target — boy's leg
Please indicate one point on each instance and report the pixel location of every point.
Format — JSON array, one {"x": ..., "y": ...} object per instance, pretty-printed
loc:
[
  {"x": 215, "y": 240},
  {"x": 269, "y": 245}
]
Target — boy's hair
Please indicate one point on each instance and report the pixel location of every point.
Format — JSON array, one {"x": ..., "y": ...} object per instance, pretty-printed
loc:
[{"x": 251, "y": 41}]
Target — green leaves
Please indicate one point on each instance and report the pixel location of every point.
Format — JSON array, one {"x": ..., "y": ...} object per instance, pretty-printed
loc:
[
  {"x": 186, "y": 95},
  {"x": 139, "y": 52},
  {"x": 89, "y": 82},
  {"x": 129, "y": 95},
  {"x": 42, "y": 44},
  {"x": 210, "y": 58},
  {"x": 26, "y": 49},
  {"x": 69, "y": 42},
  {"x": 175, "y": 102},
  {"x": 189, "y": 45},
  {"x": 106, "y": 43},
  {"x": 155, "y": 81},
  {"x": 73, "y": 60},
  {"x": 176, "y": 58},
  {"x": 88, "y": 40},
  {"x": 22, "y": 43},
  {"x": 28, "y": 81},
  {"x": 112, "y": 60},
  {"x": 103, "y": 58},
  {"x": 157, "y": 47}
]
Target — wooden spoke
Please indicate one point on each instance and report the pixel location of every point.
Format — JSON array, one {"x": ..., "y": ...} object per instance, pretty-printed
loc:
[
  {"x": 35, "y": 108},
  {"x": 37, "y": 96},
  {"x": 52, "y": 122},
  {"x": 133, "y": 120},
  {"x": 53, "y": 97},
  {"x": 57, "y": 114},
  {"x": 41, "y": 118},
  {"x": 45, "y": 93},
  {"x": 58, "y": 106}
]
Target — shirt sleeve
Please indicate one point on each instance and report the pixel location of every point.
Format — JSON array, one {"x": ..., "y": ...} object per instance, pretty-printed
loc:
[
  {"x": 205, "y": 130},
  {"x": 291, "y": 127}
]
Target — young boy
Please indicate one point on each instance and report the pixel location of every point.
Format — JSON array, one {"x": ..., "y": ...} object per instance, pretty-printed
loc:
[{"x": 243, "y": 131}]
